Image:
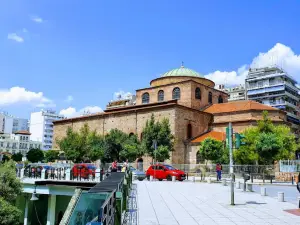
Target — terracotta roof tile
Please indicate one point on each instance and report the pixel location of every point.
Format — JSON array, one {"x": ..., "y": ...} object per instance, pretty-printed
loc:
[
  {"x": 237, "y": 106},
  {"x": 23, "y": 132},
  {"x": 220, "y": 136}
]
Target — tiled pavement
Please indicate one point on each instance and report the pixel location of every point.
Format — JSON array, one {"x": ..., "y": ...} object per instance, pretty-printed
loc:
[{"x": 187, "y": 203}]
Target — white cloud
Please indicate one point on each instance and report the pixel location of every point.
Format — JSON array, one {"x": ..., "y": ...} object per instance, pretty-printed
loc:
[
  {"x": 72, "y": 112},
  {"x": 37, "y": 19},
  {"x": 15, "y": 37},
  {"x": 25, "y": 30},
  {"x": 69, "y": 99},
  {"x": 19, "y": 95},
  {"x": 122, "y": 95},
  {"x": 280, "y": 55}
]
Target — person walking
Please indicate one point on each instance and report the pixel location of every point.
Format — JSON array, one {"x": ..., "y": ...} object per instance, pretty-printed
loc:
[
  {"x": 114, "y": 166},
  {"x": 219, "y": 171}
]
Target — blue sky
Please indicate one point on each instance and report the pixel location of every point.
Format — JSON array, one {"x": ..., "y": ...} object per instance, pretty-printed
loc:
[{"x": 77, "y": 54}]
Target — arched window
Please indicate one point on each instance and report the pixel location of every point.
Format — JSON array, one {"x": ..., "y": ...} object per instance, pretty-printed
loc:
[
  {"x": 189, "y": 131},
  {"x": 176, "y": 93},
  {"x": 145, "y": 98},
  {"x": 198, "y": 93},
  {"x": 131, "y": 134},
  {"x": 209, "y": 97},
  {"x": 160, "y": 96},
  {"x": 220, "y": 99}
]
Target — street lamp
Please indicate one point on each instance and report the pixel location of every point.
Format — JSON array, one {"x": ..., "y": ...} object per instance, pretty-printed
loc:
[{"x": 34, "y": 195}]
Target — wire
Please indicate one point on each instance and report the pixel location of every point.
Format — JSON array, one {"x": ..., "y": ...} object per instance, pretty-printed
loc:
[{"x": 36, "y": 214}]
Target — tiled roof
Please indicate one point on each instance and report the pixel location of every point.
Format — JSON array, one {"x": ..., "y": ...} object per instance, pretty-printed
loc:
[
  {"x": 235, "y": 106},
  {"x": 23, "y": 132},
  {"x": 220, "y": 136}
]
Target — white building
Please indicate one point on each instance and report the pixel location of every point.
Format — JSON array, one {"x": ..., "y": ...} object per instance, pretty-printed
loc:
[
  {"x": 41, "y": 127},
  {"x": 273, "y": 86},
  {"x": 235, "y": 93},
  {"x": 10, "y": 124},
  {"x": 17, "y": 142}
]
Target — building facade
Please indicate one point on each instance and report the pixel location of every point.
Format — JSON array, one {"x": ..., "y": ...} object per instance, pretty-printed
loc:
[
  {"x": 190, "y": 102},
  {"x": 237, "y": 93},
  {"x": 273, "y": 86},
  {"x": 17, "y": 142},
  {"x": 10, "y": 124},
  {"x": 41, "y": 127}
]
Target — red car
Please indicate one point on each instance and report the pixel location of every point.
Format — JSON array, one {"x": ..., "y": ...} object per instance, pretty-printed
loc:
[
  {"x": 83, "y": 170},
  {"x": 161, "y": 172}
]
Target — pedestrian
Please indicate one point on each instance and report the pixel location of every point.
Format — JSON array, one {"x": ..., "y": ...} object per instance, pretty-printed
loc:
[
  {"x": 219, "y": 171},
  {"x": 114, "y": 166}
]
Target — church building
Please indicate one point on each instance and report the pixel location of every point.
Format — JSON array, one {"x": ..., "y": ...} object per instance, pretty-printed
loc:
[{"x": 190, "y": 102}]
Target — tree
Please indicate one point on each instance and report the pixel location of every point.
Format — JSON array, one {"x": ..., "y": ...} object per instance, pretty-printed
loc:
[
  {"x": 87, "y": 145},
  {"x": 17, "y": 157},
  {"x": 10, "y": 188},
  {"x": 266, "y": 143},
  {"x": 35, "y": 155},
  {"x": 211, "y": 149},
  {"x": 121, "y": 146},
  {"x": 161, "y": 132},
  {"x": 51, "y": 155}
]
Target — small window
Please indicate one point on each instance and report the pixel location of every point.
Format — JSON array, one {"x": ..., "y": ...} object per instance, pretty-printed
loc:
[
  {"x": 189, "y": 131},
  {"x": 176, "y": 93},
  {"x": 160, "y": 96},
  {"x": 198, "y": 93},
  {"x": 209, "y": 97},
  {"x": 220, "y": 99},
  {"x": 145, "y": 98}
]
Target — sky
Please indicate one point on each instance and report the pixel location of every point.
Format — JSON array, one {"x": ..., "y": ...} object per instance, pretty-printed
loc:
[{"x": 75, "y": 55}]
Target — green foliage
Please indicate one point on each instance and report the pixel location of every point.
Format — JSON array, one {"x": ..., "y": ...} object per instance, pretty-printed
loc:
[
  {"x": 161, "y": 132},
  {"x": 5, "y": 158},
  {"x": 35, "y": 155},
  {"x": 9, "y": 214},
  {"x": 212, "y": 149},
  {"x": 266, "y": 143},
  {"x": 51, "y": 155},
  {"x": 88, "y": 145},
  {"x": 17, "y": 157},
  {"x": 10, "y": 188}
]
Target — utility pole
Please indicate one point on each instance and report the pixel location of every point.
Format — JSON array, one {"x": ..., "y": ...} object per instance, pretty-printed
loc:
[{"x": 230, "y": 134}]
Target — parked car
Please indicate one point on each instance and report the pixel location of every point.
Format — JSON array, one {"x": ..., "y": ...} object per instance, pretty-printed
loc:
[
  {"x": 83, "y": 170},
  {"x": 161, "y": 172},
  {"x": 139, "y": 175}
]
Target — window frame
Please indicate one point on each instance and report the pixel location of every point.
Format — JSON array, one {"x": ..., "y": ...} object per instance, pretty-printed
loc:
[
  {"x": 145, "y": 98},
  {"x": 160, "y": 96},
  {"x": 176, "y": 93},
  {"x": 198, "y": 93}
]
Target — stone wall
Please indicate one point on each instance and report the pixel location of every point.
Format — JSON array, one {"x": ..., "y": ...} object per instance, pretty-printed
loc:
[
  {"x": 187, "y": 94},
  {"x": 135, "y": 120}
]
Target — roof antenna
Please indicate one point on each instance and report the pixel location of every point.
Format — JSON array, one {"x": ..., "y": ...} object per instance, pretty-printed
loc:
[{"x": 182, "y": 64}]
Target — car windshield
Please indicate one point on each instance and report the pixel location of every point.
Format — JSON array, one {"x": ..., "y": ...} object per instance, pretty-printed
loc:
[{"x": 170, "y": 167}]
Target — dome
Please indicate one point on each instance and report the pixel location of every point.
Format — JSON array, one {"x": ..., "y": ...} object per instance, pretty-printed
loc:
[{"x": 182, "y": 71}]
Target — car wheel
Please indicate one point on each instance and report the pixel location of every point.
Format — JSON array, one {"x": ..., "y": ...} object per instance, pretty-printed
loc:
[
  {"x": 140, "y": 179},
  {"x": 180, "y": 180},
  {"x": 160, "y": 179},
  {"x": 169, "y": 178},
  {"x": 148, "y": 177}
]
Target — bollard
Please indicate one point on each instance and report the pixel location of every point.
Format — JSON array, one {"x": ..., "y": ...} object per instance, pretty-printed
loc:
[
  {"x": 251, "y": 175},
  {"x": 151, "y": 178},
  {"x": 173, "y": 178},
  {"x": 193, "y": 179},
  {"x": 209, "y": 180},
  {"x": 98, "y": 175},
  {"x": 280, "y": 196},
  {"x": 43, "y": 174},
  {"x": 263, "y": 191},
  {"x": 249, "y": 187},
  {"x": 68, "y": 174},
  {"x": 299, "y": 202},
  {"x": 293, "y": 180},
  {"x": 238, "y": 185},
  {"x": 22, "y": 173},
  {"x": 224, "y": 182}
]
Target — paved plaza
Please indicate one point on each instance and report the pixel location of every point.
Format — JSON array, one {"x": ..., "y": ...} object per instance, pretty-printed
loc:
[{"x": 188, "y": 203}]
